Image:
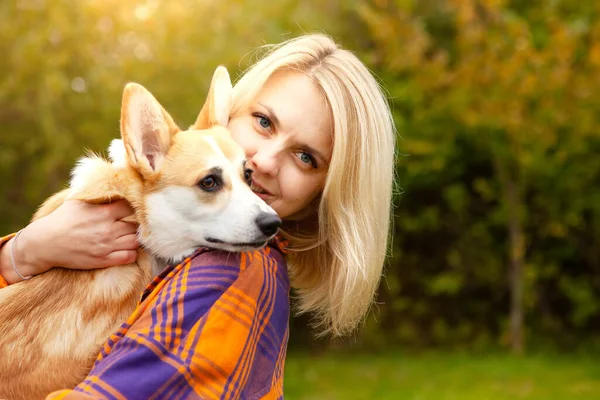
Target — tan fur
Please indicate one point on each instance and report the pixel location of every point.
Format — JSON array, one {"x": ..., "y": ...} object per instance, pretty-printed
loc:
[{"x": 53, "y": 326}]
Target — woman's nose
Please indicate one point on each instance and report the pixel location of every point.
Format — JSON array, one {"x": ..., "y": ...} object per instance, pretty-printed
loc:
[{"x": 265, "y": 160}]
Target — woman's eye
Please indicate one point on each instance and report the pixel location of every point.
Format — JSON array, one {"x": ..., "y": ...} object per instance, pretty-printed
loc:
[
  {"x": 263, "y": 121},
  {"x": 306, "y": 158}
]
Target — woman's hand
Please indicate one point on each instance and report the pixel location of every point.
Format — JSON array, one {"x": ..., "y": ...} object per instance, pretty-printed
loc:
[{"x": 76, "y": 235}]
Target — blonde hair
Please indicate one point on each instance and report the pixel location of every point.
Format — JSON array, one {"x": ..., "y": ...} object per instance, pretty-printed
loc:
[{"x": 336, "y": 270}]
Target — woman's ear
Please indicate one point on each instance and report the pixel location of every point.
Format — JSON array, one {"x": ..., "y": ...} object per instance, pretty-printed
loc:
[{"x": 217, "y": 107}]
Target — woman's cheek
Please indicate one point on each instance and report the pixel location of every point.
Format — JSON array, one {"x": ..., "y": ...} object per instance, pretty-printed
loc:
[{"x": 239, "y": 128}]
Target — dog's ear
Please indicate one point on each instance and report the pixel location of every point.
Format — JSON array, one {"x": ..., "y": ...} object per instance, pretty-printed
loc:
[
  {"x": 218, "y": 102},
  {"x": 146, "y": 128}
]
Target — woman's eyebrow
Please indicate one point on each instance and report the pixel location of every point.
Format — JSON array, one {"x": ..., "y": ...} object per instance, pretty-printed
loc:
[{"x": 272, "y": 114}]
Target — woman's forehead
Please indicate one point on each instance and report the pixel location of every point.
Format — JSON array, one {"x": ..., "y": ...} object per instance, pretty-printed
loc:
[{"x": 296, "y": 104}]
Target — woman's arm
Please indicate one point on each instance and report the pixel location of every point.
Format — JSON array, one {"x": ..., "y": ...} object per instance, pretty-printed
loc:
[
  {"x": 215, "y": 326},
  {"x": 76, "y": 235}
]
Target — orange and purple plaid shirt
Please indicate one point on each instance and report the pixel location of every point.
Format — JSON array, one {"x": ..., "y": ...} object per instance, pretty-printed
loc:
[{"x": 213, "y": 327}]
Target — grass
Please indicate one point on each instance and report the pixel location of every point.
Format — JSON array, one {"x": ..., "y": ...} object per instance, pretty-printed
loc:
[{"x": 440, "y": 376}]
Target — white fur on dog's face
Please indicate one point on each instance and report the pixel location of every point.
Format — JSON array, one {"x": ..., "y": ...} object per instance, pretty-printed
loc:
[{"x": 182, "y": 218}]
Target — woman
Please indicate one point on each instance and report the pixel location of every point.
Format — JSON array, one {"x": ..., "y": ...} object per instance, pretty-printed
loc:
[{"x": 319, "y": 137}]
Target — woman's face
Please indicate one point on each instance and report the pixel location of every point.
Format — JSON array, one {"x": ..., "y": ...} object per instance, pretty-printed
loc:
[{"x": 286, "y": 133}]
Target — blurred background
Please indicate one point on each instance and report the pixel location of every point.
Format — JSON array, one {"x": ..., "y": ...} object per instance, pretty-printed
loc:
[{"x": 492, "y": 290}]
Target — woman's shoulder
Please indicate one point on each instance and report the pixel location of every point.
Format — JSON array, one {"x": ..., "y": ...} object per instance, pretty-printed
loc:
[
  {"x": 259, "y": 279},
  {"x": 208, "y": 264}
]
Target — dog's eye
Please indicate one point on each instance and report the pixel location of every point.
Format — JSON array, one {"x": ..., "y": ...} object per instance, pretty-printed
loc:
[
  {"x": 209, "y": 183},
  {"x": 248, "y": 176}
]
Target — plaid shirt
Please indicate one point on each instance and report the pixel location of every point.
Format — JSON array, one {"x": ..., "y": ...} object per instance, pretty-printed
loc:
[{"x": 213, "y": 327}]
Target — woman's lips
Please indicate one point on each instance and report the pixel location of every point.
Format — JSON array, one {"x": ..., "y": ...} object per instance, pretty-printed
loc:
[
  {"x": 263, "y": 196},
  {"x": 259, "y": 190}
]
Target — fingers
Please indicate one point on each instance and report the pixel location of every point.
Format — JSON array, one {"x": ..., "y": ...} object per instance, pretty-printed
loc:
[
  {"x": 120, "y": 228},
  {"x": 119, "y": 209},
  {"x": 126, "y": 242},
  {"x": 120, "y": 257}
]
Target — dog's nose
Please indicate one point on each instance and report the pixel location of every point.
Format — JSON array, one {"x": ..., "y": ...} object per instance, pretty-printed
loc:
[{"x": 268, "y": 223}]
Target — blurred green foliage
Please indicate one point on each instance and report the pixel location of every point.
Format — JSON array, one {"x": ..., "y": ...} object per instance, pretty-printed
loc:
[
  {"x": 496, "y": 106},
  {"x": 495, "y": 103}
]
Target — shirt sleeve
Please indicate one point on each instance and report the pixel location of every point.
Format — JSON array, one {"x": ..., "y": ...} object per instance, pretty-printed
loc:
[
  {"x": 217, "y": 329},
  {"x": 3, "y": 241}
]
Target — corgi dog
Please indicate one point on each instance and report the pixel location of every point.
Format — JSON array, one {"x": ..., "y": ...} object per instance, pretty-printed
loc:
[{"x": 188, "y": 188}]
